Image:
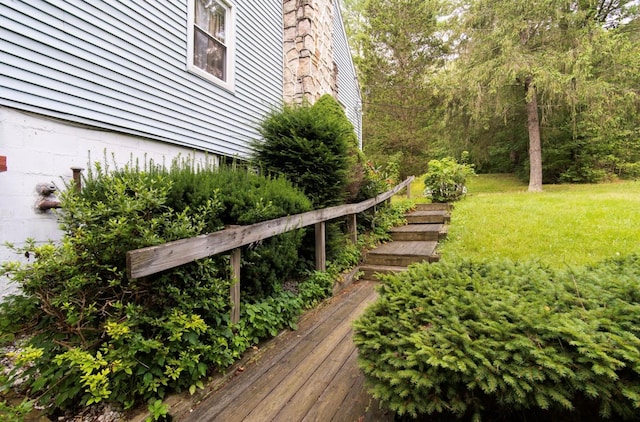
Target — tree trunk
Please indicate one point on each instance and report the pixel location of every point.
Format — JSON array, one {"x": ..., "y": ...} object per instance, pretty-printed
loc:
[{"x": 535, "y": 148}]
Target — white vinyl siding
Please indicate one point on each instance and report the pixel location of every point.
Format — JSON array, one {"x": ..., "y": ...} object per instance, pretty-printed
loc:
[
  {"x": 121, "y": 66},
  {"x": 348, "y": 87}
]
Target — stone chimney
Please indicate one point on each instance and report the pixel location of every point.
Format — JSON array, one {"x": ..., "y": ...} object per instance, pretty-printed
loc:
[{"x": 309, "y": 69}]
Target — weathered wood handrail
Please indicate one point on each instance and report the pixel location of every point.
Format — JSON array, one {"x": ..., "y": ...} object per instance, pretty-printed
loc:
[{"x": 153, "y": 259}]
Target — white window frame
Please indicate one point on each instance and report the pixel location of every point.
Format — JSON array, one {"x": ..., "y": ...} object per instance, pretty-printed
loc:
[{"x": 230, "y": 43}]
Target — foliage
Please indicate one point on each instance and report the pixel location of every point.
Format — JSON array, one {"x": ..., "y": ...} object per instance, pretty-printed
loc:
[
  {"x": 497, "y": 339},
  {"x": 512, "y": 53},
  {"x": 389, "y": 216},
  {"x": 315, "y": 147},
  {"x": 15, "y": 413},
  {"x": 445, "y": 180},
  {"x": 400, "y": 108},
  {"x": 244, "y": 198},
  {"x": 100, "y": 336},
  {"x": 379, "y": 178},
  {"x": 247, "y": 198},
  {"x": 16, "y": 315},
  {"x": 310, "y": 145},
  {"x": 157, "y": 410},
  {"x": 441, "y": 77},
  {"x": 96, "y": 335}
]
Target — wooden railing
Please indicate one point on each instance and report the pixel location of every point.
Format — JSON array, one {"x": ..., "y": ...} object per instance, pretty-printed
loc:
[{"x": 153, "y": 259}]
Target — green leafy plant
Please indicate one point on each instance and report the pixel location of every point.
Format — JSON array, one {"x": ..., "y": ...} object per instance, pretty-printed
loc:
[
  {"x": 96, "y": 335},
  {"x": 445, "y": 180},
  {"x": 314, "y": 146},
  {"x": 158, "y": 411},
  {"x": 247, "y": 198},
  {"x": 379, "y": 178},
  {"x": 16, "y": 316},
  {"x": 495, "y": 339},
  {"x": 15, "y": 413}
]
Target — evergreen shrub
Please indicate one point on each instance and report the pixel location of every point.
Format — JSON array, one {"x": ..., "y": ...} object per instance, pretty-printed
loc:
[
  {"x": 315, "y": 147},
  {"x": 499, "y": 340},
  {"x": 310, "y": 145},
  {"x": 248, "y": 198}
]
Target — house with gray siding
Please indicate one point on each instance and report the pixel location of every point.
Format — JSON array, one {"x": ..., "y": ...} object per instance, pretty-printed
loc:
[{"x": 146, "y": 80}]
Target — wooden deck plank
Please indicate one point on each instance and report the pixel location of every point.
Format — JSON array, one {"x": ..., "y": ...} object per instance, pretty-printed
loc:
[
  {"x": 273, "y": 368},
  {"x": 307, "y": 394},
  {"x": 333, "y": 404},
  {"x": 418, "y": 228},
  {"x": 360, "y": 406},
  {"x": 270, "y": 399},
  {"x": 244, "y": 393}
]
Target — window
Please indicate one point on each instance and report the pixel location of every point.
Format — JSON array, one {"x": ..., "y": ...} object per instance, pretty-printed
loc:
[{"x": 210, "y": 46}]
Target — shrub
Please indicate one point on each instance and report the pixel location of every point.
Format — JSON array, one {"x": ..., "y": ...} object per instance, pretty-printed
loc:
[
  {"x": 445, "y": 180},
  {"x": 309, "y": 145},
  {"x": 498, "y": 340},
  {"x": 96, "y": 335},
  {"x": 379, "y": 179},
  {"x": 100, "y": 336},
  {"x": 247, "y": 198},
  {"x": 314, "y": 147}
]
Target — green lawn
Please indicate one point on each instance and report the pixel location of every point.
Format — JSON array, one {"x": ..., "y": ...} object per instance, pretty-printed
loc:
[{"x": 564, "y": 225}]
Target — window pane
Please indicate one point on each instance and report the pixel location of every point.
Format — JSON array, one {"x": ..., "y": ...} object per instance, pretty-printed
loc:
[
  {"x": 209, "y": 55},
  {"x": 210, "y": 17}
]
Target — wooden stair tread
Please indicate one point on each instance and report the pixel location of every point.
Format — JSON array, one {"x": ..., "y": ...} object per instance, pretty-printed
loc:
[
  {"x": 429, "y": 212},
  {"x": 406, "y": 248},
  {"x": 371, "y": 271},
  {"x": 446, "y": 215},
  {"x": 434, "y": 206},
  {"x": 381, "y": 268},
  {"x": 419, "y": 228}
]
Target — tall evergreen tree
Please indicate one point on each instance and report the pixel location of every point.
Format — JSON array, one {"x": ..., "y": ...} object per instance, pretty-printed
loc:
[
  {"x": 554, "y": 51},
  {"x": 401, "y": 50}
]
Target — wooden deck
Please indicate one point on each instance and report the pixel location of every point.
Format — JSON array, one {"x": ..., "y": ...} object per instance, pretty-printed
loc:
[
  {"x": 306, "y": 375},
  {"x": 311, "y": 374}
]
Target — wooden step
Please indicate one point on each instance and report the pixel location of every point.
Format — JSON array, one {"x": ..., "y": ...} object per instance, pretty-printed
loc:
[
  {"x": 369, "y": 272},
  {"x": 428, "y": 217},
  {"x": 403, "y": 253},
  {"x": 435, "y": 206},
  {"x": 423, "y": 232}
]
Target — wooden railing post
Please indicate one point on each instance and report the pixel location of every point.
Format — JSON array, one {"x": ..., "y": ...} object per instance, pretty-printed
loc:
[
  {"x": 409, "y": 190},
  {"x": 321, "y": 253},
  {"x": 352, "y": 228},
  {"x": 235, "y": 286}
]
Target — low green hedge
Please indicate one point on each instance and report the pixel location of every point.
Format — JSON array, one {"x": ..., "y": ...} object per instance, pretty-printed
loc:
[
  {"x": 501, "y": 340},
  {"x": 95, "y": 335}
]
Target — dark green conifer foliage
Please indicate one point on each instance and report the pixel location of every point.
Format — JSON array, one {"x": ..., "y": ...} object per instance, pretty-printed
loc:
[
  {"x": 310, "y": 146},
  {"x": 498, "y": 340}
]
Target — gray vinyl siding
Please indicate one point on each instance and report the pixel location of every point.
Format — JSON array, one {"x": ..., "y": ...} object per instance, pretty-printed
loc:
[
  {"x": 348, "y": 87},
  {"x": 121, "y": 65}
]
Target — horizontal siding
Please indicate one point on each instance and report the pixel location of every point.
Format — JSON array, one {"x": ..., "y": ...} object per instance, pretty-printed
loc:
[
  {"x": 122, "y": 66},
  {"x": 257, "y": 65},
  {"x": 348, "y": 87}
]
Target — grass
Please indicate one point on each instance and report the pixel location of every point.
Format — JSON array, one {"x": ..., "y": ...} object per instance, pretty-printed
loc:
[{"x": 566, "y": 225}]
